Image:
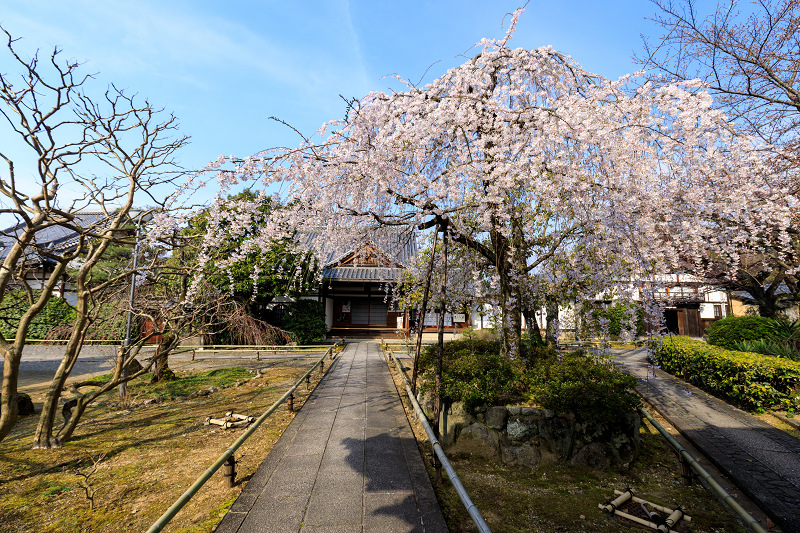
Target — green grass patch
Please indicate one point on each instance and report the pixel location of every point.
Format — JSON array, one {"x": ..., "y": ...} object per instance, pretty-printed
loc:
[
  {"x": 184, "y": 384},
  {"x": 146, "y": 454}
]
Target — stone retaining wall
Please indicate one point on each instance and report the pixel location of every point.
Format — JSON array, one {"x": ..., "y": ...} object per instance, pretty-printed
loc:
[{"x": 527, "y": 436}]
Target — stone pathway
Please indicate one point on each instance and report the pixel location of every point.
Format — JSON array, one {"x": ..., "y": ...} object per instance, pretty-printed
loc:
[
  {"x": 762, "y": 460},
  {"x": 348, "y": 462}
]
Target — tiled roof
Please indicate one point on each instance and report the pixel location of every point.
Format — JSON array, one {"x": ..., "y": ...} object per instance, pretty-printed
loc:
[
  {"x": 53, "y": 238},
  {"x": 361, "y": 273},
  {"x": 400, "y": 246}
]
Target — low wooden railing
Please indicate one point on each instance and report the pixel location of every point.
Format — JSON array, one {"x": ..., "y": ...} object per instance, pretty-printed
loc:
[{"x": 227, "y": 457}]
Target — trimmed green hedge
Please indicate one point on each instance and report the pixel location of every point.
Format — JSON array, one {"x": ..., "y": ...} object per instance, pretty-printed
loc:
[
  {"x": 728, "y": 331},
  {"x": 754, "y": 381},
  {"x": 306, "y": 320}
]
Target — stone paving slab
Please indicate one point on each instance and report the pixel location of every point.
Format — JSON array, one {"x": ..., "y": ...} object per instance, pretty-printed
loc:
[
  {"x": 761, "y": 460},
  {"x": 348, "y": 462}
]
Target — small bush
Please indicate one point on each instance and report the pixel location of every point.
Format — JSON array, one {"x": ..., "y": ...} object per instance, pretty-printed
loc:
[
  {"x": 306, "y": 320},
  {"x": 475, "y": 346},
  {"x": 619, "y": 320},
  {"x": 772, "y": 347},
  {"x": 618, "y": 317},
  {"x": 473, "y": 372},
  {"x": 592, "y": 388},
  {"x": 56, "y": 312},
  {"x": 787, "y": 332},
  {"x": 533, "y": 355},
  {"x": 728, "y": 331},
  {"x": 755, "y": 382}
]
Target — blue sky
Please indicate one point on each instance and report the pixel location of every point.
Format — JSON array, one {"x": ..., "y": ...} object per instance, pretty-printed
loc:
[{"x": 223, "y": 67}]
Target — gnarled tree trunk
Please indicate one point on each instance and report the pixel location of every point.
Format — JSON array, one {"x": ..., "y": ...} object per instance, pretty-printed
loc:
[
  {"x": 161, "y": 370},
  {"x": 45, "y": 436},
  {"x": 8, "y": 401}
]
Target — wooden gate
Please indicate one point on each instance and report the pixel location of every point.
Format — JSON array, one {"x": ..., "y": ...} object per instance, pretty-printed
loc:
[{"x": 689, "y": 322}]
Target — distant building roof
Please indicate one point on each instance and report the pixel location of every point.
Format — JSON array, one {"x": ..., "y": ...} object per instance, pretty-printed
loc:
[
  {"x": 380, "y": 256},
  {"x": 55, "y": 238},
  {"x": 361, "y": 273}
]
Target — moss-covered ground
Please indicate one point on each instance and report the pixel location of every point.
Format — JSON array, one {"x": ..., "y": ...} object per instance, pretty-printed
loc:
[{"x": 147, "y": 455}]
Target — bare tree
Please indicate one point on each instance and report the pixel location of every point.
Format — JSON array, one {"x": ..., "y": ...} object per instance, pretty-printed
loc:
[
  {"x": 164, "y": 315},
  {"x": 77, "y": 154},
  {"x": 749, "y": 59},
  {"x": 162, "y": 305}
]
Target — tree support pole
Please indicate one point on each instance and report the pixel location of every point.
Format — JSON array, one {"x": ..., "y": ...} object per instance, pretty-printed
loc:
[
  {"x": 437, "y": 406},
  {"x": 421, "y": 319}
]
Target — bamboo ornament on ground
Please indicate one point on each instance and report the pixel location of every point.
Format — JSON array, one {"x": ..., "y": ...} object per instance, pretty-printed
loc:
[
  {"x": 625, "y": 502},
  {"x": 231, "y": 420}
]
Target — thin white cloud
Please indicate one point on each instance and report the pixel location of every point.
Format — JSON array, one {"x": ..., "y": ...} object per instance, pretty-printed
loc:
[{"x": 182, "y": 45}]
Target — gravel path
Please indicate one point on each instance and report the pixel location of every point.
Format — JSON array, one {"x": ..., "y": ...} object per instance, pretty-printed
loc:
[{"x": 41, "y": 362}]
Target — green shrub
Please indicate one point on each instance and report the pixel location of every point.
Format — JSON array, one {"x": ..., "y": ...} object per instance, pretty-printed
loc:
[
  {"x": 592, "y": 388},
  {"x": 306, "y": 320},
  {"x": 451, "y": 348},
  {"x": 618, "y": 317},
  {"x": 733, "y": 329},
  {"x": 109, "y": 323},
  {"x": 473, "y": 372},
  {"x": 533, "y": 355},
  {"x": 56, "y": 312},
  {"x": 787, "y": 333},
  {"x": 755, "y": 382},
  {"x": 771, "y": 346}
]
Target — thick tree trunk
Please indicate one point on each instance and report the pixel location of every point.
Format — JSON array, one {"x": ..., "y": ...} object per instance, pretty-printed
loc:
[
  {"x": 161, "y": 370},
  {"x": 8, "y": 402},
  {"x": 85, "y": 400},
  {"x": 552, "y": 316},
  {"x": 534, "y": 334},
  {"x": 44, "y": 436},
  {"x": 69, "y": 425},
  {"x": 515, "y": 328},
  {"x": 512, "y": 317},
  {"x": 12, "y": 351},
  {"x": 505, "y": 333}
]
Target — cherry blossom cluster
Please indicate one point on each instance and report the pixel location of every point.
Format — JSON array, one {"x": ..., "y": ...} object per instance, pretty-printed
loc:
[{"x": 559, "y": 180}]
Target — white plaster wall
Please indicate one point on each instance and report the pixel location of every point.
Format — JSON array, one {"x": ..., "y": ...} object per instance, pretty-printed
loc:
[{"x": 329, "y": 313}]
